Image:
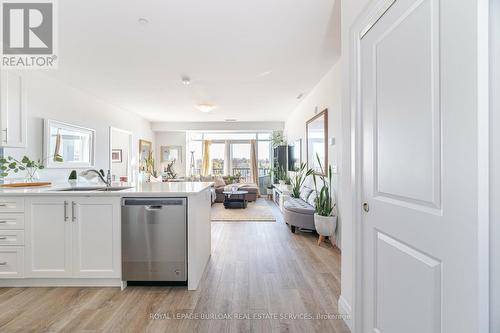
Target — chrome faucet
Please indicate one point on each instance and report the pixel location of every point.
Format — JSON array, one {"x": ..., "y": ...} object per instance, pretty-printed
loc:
[{"x": 106, "y": 181}]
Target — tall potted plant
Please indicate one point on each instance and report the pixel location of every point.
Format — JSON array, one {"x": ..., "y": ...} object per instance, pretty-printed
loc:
[
  {"x": 324, "y": 219},
  {"x": 301, "y": 174}
]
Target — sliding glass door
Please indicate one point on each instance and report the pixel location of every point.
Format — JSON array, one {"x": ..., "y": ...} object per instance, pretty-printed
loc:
[{"x": 240, "y": 160}]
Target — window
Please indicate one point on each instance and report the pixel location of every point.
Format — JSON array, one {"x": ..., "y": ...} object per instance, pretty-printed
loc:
[
  {"x": 217, "y": 152},
  {"x": 240, "y": 161},
  {"x": 230, "y": 153},
  {"x": 194, "y": 159}
]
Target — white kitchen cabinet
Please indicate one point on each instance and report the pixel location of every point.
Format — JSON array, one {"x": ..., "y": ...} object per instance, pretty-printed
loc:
[
  {"x": 13, "y": 121},
  {"x": 96, "y": 237},
  {"x": 48, "y": 239},
  {"x": 77, "y": 237}
]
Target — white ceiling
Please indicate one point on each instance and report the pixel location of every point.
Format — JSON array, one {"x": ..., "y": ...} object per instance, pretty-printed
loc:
[{"x": 224, "y": 46}]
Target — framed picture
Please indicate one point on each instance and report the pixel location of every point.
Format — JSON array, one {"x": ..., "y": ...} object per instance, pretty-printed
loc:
[
  {"x": 316, "y": 141},
  {"x": 171, "y": 153},
  {"x": 116, "y": 156},
  {"x": 145, "y": 148}
]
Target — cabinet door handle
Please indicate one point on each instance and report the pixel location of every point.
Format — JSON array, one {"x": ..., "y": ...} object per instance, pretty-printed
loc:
[
  {"x": 65, "y": 211},
  {"x": 3, "y": 205},
  {"x": 73, "y": 215},
  {"x": 3, "y": 222},
  {"x": 3, "y": 238},
  {"x": 6, "y": 135},
  {"x": 3, "y": 263}
]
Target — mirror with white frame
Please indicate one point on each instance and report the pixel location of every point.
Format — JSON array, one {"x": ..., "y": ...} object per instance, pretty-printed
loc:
[{"x": 68, "y": 146}]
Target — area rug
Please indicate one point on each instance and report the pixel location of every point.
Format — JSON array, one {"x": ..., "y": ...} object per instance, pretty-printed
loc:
[{"x": 258, "y": 211}]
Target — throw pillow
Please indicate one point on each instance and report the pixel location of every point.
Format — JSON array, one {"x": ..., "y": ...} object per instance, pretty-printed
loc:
[
  {"x": 312, "y": 198},
  {"x": 219, "y": 182},
  {"x": 304, "y": 193}
]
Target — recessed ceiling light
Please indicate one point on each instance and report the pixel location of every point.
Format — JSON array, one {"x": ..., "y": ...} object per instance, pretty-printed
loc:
[
  {"x": 264, "y": 73},
  {"x": 205, "y": 107},
  {"x": 230, "y": 120},
  {"x": 299, "y": 96},
  {"x": 142, "y": 21},
  {"x": 186, "y": 80}
]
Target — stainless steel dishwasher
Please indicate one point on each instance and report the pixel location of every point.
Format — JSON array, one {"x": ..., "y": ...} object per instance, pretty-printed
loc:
[{"x": 154, "y": 240}]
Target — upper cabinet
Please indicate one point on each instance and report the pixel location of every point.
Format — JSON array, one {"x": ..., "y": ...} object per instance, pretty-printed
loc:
[{"x": 13, "y": 119}]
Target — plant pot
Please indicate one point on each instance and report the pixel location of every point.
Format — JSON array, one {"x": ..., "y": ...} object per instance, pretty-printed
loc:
[
  {"x": 281, "y": 182},
  {"x": 325, "y": 225}
]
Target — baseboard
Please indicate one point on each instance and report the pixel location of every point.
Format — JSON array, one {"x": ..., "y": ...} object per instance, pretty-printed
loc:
[
  {"x": 62, "y": 282},
  {"x": 345, "y": 309}
]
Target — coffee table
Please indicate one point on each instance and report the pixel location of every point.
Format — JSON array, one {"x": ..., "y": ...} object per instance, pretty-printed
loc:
[{"x": 235, "y": 199}]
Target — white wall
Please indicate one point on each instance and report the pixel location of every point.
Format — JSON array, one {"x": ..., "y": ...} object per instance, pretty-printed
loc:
[
  {"x": 50, "y": 98},
  {"x": 171, "y": 139},
  {"x": 495, "y": 166},
  {"x": 325, "y": 95},
  {"x": 333, "y": 91}
]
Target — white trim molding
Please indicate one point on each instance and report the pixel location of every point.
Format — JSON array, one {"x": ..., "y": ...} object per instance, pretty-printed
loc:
[{"x": 345, "y": 309}]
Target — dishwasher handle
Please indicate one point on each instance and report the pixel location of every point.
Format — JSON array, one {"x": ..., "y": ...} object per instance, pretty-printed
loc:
[
  {"x": 153, "y": 208},
  {"x": 154, "y": 202}
]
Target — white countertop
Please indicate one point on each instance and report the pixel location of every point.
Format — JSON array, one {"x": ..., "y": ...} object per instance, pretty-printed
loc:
[{"x": 142, "y": 190}]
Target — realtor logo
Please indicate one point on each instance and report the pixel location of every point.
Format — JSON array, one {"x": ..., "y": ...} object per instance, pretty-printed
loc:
[{"x": 28, "y": 31}]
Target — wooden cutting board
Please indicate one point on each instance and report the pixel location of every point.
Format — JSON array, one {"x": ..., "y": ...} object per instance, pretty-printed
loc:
[{"x": 26, "y": 184}]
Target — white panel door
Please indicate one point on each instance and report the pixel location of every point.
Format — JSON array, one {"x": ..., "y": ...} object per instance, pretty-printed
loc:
[
  {"x": 13, "y": 109},
  {"x": 48, "y": 248},
  {"x": 419, "y": 225},
  {"x": 96, "y": 237}
]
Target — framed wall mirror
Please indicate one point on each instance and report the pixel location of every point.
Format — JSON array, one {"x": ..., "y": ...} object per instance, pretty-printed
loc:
[
  {"x": 316, "y": 141},
  {"x": 171, "y": 153},
  {"x": 68, "y": 146}
]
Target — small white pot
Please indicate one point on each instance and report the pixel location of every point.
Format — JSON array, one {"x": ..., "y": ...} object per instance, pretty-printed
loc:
[
  {"x": 325, "y": 225},
  {"x": 281, "y": 182}
]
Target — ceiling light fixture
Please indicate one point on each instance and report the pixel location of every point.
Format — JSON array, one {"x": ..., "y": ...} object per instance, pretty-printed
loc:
[
  {"x": 264, "y": 73},
  {"x": 205, "y": 107},
  {"x": 300, "y": 96},
  {"x": 230, "y": 120},
  {"x": 142, "y": 21},
  {"x": 186, "y": 80}
]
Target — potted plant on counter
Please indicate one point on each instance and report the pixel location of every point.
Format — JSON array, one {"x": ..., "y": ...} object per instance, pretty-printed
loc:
[
  {"x": 301, "y": 174},
  {"x": 324, "y": 219}
]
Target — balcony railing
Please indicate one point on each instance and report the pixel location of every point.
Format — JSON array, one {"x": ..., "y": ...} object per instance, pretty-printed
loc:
[{"x": 245, "y": 173}]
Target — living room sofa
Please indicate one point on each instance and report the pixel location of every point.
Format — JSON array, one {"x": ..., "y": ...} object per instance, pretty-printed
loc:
[{"x": 299, "y": 212}]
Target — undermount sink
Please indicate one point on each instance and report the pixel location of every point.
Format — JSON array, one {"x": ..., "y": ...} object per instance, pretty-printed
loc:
[
  {"x": 113, "y": 188},
  {"x": 93, "y": 188}
]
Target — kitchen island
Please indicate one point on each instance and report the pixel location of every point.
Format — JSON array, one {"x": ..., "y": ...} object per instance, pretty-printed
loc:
[{"x": 71, "y": 236}]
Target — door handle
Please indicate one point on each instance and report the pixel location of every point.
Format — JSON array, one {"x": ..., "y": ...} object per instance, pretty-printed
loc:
[
  {"x": 3, "y": 263},
  {"x": 3, "y": 222},
  {"x": 366, "y": 207},
  {"x": 65, "y": 211},
  {"x": 73, "y": 215},
  {"x": 3, "y": 238}
]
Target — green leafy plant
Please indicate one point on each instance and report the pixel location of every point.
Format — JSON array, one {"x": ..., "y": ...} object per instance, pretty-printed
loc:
[
  {"x": 301, "y": 174},
  {"x": 150, "y": 165},
  {"x": 281, "y": 174},
  {"x": 11, "y": 165},
  {"x": 324, "y": 202}
]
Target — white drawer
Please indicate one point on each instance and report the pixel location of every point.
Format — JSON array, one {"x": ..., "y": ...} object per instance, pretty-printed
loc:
[
  {"x": 11, "y": 262},
  {"x": 11, "y": 237},
  {"x": 11, "y": 205},
  {"x": 11, "y": 221}
]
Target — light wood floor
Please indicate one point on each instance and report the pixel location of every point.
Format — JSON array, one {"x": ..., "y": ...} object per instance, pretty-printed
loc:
[{"x": 256, "y": 269}]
